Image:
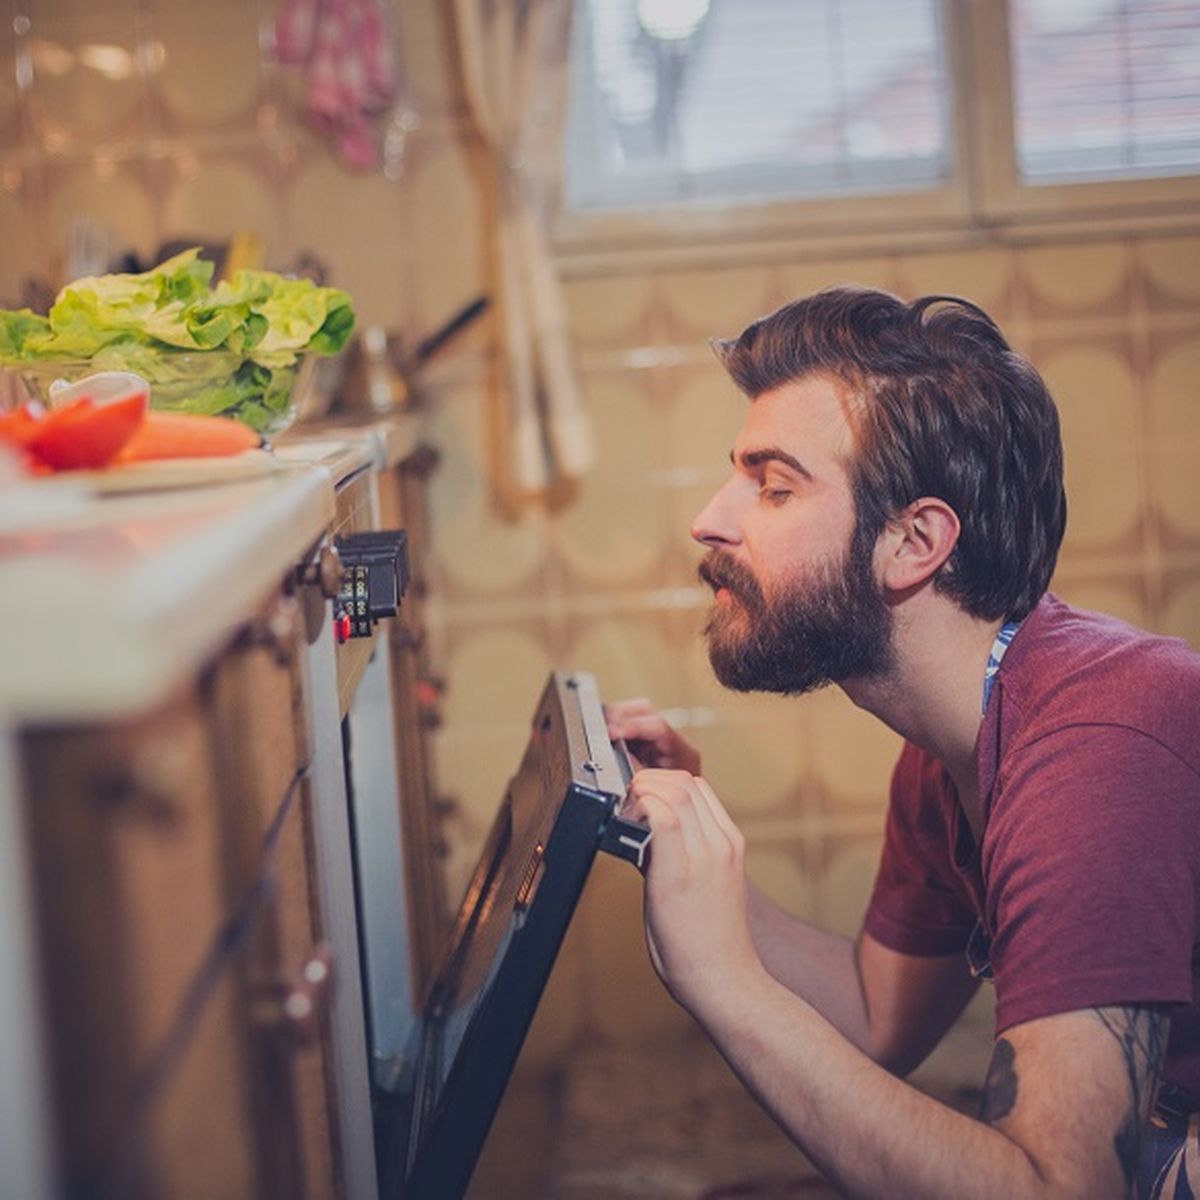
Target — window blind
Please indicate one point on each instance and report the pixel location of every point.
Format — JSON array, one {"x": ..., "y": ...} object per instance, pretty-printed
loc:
[
  {"x": 717, "y": 101},
  {"x": 1106, "y": 88}
]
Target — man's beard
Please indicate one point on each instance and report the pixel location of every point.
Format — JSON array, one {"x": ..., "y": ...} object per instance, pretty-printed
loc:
[{"x": 831, "y": 626}]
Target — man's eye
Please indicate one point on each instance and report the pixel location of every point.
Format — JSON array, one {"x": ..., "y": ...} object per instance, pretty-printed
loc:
[{"x": 774, "y": 495}]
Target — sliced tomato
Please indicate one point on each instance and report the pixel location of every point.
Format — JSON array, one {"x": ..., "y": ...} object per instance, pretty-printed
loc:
[
  {"x": 86, "y": 434},
  {"x": 20, "y": 426}
]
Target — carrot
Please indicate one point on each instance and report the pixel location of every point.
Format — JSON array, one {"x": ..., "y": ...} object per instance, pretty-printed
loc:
[{"x": 184, "y": 435}]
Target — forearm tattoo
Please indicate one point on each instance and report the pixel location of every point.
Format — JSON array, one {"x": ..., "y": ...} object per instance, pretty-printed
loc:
[
  {"x": 1000, "y": 1086},
  {"x": 1142, "y": 1035}
]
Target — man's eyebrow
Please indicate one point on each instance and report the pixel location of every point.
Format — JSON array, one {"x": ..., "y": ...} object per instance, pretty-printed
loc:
[{"x": 756, "y": 458}]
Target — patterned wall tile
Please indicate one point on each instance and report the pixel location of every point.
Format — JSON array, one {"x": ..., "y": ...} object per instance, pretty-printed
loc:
[
  {"x": 1172, "y": 272},
  {"x": 20, "y": 241},
  {"x": 630, "y": 655},
  {"x": 704, "y": 304},
  {"x": 495, "y": 676},
  {"x": 614, "y": 534},
  {"x": 845, "y": 884},
  {"x": 687, "y": 501},
  {"x": 794, "y": 280},
  {"x": 704, "y": 417},
  {"x": 446, "y": 239},
  {"x": 1096, "y": 392},
  {"x": 210, "y": 198},
  {"x": 1074, "y": 280},
  {"x": 9, "y": 104},
  {"x": 612, "y": 312},
  {"x": 624, "y": 998},
  {"x": 630, "y": 433},
  {"x": 431, "y": 72},
  {"x": 1181, "y": 606},
  {"x": 353, "y": 223},
  {"x": 210, "y": 74},
  {"x": 116, "y": 196},
  {"x": 473, "y": 765},
  {"x": 1174, "y": 421},
  {"x": 477, "y": 551},
  {"x": 85, "y": 78},
  {"x": 780, "y": 873},
  {"x": 1124, "y": 598},
  {"x": 982, "y": 276},
  {"x": 852, "y": 753},
  {"x": 755, "y": 766}
]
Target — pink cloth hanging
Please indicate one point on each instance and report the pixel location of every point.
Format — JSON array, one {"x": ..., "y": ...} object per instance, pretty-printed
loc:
[{"x": 346, "y": 51}]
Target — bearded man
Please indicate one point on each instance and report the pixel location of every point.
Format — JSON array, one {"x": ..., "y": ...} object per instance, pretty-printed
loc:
[{"x": 890, "y": 525}]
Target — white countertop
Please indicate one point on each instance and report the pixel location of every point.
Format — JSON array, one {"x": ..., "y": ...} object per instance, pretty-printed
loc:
[
  {"x": 116, "y": 587},
  {"x": 342, "y": 449}
]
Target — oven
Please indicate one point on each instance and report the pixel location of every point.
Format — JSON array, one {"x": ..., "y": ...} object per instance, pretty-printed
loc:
[
  {"x": 441, "y": 1010},
  {"x": 380, "y": 889}
]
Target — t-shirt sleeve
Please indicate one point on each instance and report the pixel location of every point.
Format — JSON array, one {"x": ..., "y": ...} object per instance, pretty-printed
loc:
[
  {"x": 918, "y": 905},
  {"x": 1093, "y": 844}
]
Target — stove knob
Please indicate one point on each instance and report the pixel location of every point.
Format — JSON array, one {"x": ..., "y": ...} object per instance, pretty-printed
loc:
[{"x": 325, "y": 573}]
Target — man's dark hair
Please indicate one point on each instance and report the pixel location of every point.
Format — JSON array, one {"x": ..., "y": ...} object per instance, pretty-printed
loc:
[{"x": 944, "y": 407}]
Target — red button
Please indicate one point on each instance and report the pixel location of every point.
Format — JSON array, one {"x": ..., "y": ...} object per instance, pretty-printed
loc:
[{"x": 342, "y": 627}]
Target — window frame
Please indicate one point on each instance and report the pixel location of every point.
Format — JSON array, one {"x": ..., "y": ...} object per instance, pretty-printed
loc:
[
  {"x": 1003, "y": 194},
  {"x": 983, "y": 195}
]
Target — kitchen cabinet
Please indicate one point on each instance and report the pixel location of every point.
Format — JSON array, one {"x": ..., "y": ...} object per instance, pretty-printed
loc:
[
  {"x": 126, "y": 846},
  {"x": 175, "y": 711}
]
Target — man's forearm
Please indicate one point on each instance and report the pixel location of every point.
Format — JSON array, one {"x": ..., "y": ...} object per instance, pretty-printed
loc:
[
  {"x": 814, "y": 964},
  {"x": 872, "y": 1134}
]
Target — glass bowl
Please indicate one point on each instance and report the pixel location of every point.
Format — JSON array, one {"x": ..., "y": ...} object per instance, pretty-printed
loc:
[{"x": 209, "y": 382}]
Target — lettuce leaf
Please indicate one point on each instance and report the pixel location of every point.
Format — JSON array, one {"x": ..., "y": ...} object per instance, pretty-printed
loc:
[
  {"x": 16, "y": 327},
  {"x": 230, "y": 349}
]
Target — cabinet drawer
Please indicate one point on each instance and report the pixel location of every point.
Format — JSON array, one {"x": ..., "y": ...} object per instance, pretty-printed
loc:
[
  {"x": 259, "y": 725},
  {"x": 260, "y": 720},
  {"x": 126, "y": 843},
  {"x": 193, "y": 1137}
]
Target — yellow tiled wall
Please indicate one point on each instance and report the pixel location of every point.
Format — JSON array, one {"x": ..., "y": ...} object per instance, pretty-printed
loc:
[{"x": 209, "y": 144}]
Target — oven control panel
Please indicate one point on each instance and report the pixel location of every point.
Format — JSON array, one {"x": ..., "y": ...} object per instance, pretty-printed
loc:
[{"x": 374, "y": 577}]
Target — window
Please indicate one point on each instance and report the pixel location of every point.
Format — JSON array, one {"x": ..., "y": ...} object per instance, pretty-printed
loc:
[
  {"x": 869, "y": 116},
  {"x": 1105, "y": 87},
  {"x": 716, "y": 100}
]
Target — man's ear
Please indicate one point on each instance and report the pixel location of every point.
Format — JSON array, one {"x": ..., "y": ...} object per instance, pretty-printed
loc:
[{"x": 915, "y": 544}]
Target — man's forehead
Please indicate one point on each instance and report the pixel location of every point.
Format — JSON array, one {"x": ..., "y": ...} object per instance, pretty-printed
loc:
[{"x": 809, "y": 418}]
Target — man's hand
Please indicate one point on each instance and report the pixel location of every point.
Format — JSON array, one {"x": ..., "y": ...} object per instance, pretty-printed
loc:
[
  {"x": 696, "y": 914},
  {"x": 651, "y": 741}
]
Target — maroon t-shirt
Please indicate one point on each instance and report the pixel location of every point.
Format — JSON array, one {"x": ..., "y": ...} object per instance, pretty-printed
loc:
[{"x": 1087, "y": 877}]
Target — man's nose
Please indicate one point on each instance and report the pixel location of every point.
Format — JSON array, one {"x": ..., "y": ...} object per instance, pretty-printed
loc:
[{"x": 715, "y": 524}]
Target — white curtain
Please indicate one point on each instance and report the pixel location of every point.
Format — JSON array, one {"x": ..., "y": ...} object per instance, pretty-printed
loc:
[{"x": 513, "y": 55}]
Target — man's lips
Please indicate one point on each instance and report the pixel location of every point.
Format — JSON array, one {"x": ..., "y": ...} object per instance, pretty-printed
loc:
[{"x": 718, "y": 576}]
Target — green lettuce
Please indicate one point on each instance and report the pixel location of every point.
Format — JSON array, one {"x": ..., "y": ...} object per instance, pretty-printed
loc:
[
  {"x": 230, "y": 349},
  {"x": 16, "y": 327}
]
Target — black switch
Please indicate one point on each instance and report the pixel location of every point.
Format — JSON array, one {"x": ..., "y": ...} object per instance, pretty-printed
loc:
[{"x": 374, "y": 576}]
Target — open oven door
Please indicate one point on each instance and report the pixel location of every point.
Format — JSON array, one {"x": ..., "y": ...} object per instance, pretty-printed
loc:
[{"x": 558, "y": 810}]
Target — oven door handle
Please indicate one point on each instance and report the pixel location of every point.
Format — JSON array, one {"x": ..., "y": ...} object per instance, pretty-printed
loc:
[{"x": 627, "y": 839}]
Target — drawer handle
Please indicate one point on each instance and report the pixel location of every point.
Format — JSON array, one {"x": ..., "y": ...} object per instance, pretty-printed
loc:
[{"x": 279, "y": 631}]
